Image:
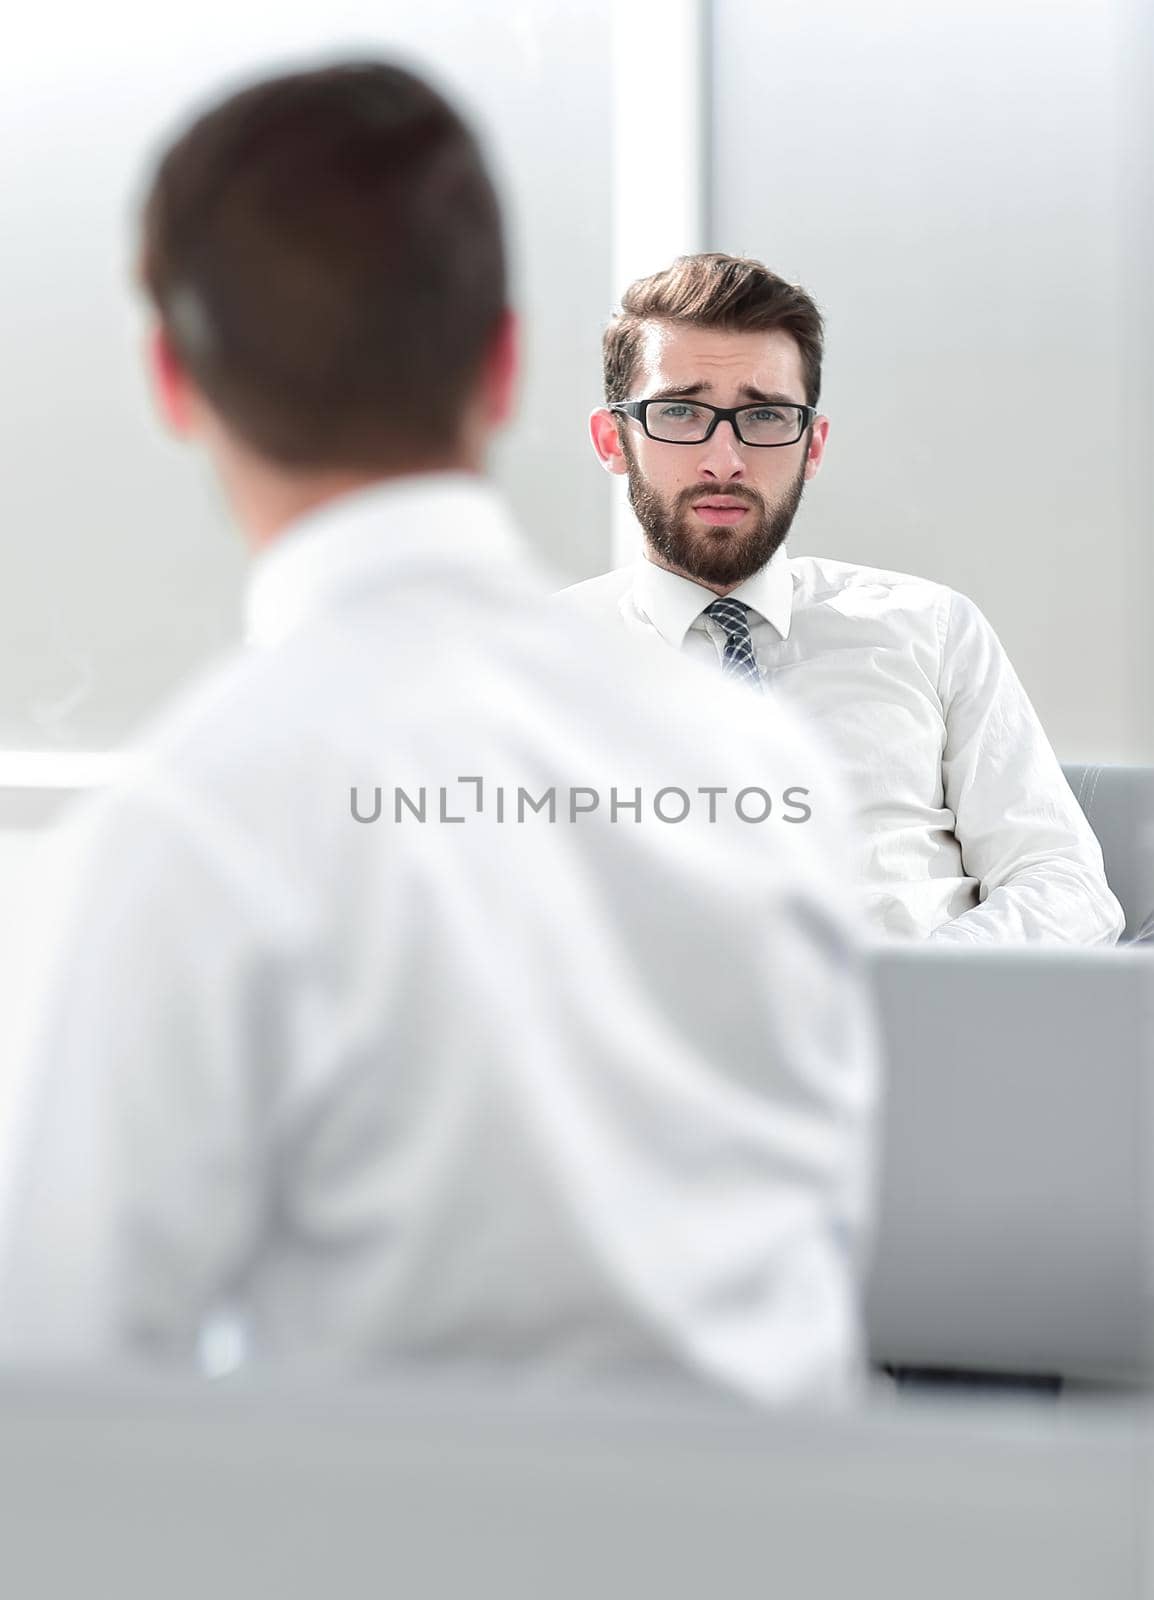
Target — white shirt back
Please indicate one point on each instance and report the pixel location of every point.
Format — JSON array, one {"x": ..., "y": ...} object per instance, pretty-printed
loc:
[{"x": 586, "y": 1097}]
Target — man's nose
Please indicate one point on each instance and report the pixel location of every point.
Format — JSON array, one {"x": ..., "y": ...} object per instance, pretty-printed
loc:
[{"x": 721, "y": 456}]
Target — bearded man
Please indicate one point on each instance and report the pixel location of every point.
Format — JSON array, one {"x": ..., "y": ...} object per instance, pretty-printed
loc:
[{"x": 968, "y": 829}]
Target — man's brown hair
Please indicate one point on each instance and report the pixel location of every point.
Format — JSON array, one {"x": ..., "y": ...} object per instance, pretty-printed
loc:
[
  {"x": 712, "y": 291},
  {"x": 325, "y": 252}
]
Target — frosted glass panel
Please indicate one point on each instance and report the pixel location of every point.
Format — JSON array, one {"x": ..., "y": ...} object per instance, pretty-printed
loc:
[
  {"x": 965, "y": 188},
  {"x": 120, "y": 571}
]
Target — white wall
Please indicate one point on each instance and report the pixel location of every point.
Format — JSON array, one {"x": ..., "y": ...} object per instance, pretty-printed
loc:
[
  {"x": 19, "y": 894},
  {"x": 965, "y": 189},
  {"x": 120, "y": 572}
]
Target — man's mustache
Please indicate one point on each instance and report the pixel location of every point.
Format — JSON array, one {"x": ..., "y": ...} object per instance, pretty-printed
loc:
[{"x": 702, "y": 491}]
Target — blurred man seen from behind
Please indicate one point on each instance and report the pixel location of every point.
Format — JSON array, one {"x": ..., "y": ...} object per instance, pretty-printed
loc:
[{"x": 417, "y": 998}]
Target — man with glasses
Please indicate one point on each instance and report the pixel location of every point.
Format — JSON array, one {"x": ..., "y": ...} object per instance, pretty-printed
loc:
[{"x": 969, "y": 830}]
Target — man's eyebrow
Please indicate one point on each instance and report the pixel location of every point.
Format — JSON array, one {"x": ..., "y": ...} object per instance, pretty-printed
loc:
[
  {"x": 681, "y": 391},
  {"x": 774, "y": 398},
  {"x": 677, "y": 391}
]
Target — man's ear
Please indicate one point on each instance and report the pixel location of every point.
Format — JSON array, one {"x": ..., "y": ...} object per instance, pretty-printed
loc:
[
  {"x": 502, "y": 370},
  {"x": 172, "y": 391},
  {"x": 817, "y": 441},
  {"x": 606, "y": 437}
]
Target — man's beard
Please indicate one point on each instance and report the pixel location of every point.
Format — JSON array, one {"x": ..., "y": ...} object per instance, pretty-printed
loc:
[{"x": 717, "y": 556}]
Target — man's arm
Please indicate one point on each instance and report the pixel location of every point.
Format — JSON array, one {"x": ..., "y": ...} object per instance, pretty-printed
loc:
[
  {"x": 132, "y": 1171},
  {"x": 1022, "y": 833}
]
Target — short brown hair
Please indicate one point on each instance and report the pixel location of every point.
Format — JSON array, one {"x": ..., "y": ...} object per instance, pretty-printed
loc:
[
  {"x": 712, "y": 291},
  {"x": 325, "y": 252}
]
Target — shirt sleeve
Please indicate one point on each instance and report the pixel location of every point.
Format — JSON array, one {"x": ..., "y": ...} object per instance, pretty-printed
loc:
[
  {"x": 1022, "y": 833},
  {"x": 132, "y": 1163}
]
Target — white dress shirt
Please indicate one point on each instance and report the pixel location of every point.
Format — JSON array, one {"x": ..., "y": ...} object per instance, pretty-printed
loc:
[
  {"x": 588, "y": 1099},
  {"x": 968, "y": 828}
]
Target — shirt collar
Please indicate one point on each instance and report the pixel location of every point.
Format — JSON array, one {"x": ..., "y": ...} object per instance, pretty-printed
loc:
[
  {"x": 673, "y": 603},
  {"x": 433, "y": 520}
]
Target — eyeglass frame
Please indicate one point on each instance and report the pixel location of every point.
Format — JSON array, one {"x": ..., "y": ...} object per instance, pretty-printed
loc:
[{"x": 637, "y": 410}]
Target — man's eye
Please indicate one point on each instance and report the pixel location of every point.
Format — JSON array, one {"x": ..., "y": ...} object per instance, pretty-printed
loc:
[
  {"x": 765, "y": 414},
  {"x": 674, "y": 413}
]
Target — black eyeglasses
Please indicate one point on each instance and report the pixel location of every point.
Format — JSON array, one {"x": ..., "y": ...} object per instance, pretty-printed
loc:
[{"x": 767, "y": 426}]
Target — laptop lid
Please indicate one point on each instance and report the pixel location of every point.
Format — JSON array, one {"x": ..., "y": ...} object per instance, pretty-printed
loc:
[{"x": 1016, "y": 1204}]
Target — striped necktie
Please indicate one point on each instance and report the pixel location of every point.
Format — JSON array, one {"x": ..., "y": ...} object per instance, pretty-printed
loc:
[{"x": 739, "y": 662}]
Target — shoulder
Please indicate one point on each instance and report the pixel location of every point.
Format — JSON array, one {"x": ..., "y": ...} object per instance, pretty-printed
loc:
[
  {"x": 820, "y": 579},
  {"x": 899, "y": 604},
  {"x": 199, "y": 812},
  {"x": 907, "y": 608},
  {"x": 598, "y": 596},
  {"x": 242, "y": 703},
  {"x": 231, "y": 750}
]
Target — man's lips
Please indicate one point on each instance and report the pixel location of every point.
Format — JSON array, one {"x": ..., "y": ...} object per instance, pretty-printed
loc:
[{"x": 720, "y": 512}]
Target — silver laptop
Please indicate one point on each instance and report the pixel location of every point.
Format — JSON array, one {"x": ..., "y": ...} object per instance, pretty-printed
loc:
[{"x": 1016, "y": 1226}]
